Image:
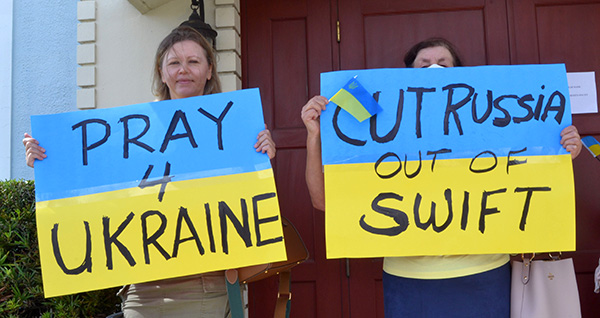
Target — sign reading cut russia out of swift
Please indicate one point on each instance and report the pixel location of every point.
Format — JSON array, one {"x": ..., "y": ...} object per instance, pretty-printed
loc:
[{"x": 463, "y": 160}]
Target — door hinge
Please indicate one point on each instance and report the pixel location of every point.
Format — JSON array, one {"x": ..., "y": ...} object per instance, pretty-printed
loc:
[{"x": 339, "y": 37}]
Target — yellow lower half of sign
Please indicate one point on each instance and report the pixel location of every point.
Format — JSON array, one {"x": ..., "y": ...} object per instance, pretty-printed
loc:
[
  {"x": 452, "y": 207},
  {"x": 129, "y": 236}
]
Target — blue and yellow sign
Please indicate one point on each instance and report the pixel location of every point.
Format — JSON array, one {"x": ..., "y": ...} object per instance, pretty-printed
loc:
[
  {"x": 153, "y": 191},
  {"x": 463, "y": 160}
]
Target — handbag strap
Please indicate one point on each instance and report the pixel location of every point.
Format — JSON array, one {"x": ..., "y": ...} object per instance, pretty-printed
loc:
[
  {"x": 234, "y": 293},
  {"x": 284, "y": 296}
]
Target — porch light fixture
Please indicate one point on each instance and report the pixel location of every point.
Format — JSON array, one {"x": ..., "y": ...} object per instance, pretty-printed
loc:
[{"x": 196, "y": 21}]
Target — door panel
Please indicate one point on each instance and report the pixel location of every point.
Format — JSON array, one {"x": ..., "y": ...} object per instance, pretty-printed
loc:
[
  {"x": 289, "y": 76},
  {"x": 365, "y": 288},
  {"x": 377, "y": 33},
  {"x": 285, "y": 46},
  {"x": 553, "y": 31},
  {"x": 385, "y": 43}
]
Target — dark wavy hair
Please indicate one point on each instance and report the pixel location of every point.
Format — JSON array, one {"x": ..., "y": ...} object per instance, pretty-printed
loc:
[
  {"x": 411, "y": 55},
  {"x": 183, "y": 33}
]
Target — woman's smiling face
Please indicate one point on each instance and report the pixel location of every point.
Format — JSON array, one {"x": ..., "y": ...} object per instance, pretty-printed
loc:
[{"x": 185, "y": 69}]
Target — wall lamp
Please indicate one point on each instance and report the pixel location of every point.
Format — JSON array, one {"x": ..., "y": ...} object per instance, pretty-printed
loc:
[{"x": 196, "y": 21}]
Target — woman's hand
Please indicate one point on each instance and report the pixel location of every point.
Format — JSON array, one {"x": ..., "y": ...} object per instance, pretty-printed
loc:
[
  {"x": 571, "y": 141},
  {"x": 311, "y": 112},
  {"x": 265, "y": 143},
  {"x": 33, "y": 150}
]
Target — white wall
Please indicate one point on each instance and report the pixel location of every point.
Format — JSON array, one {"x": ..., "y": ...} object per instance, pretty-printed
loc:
[
  {"x": 125, "y": 47},
  {"x": 6, "y": 27},
  {"x": 43, "y": 68}
]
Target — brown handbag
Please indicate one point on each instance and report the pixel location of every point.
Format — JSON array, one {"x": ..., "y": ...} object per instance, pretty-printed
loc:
[{"x": 296, "y": 254}]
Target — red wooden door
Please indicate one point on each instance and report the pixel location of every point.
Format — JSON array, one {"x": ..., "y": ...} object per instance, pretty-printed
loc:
[
  {"x": 376, "y": 34},
  {"x": 286, "y": 45},
  {"x": 552, "y": 31}
]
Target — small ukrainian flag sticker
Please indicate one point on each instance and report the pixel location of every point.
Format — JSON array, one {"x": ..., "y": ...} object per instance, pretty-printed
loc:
[
  {"x": 592, "y": 145},
  {"x": 355, "y": 99}
]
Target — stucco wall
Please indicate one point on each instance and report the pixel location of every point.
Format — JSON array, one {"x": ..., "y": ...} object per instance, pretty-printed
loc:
[
  {"x": 125, "y": 47},
  {"x": 6, "y": 9},
  {"x": 125, "y": 44},
  {"x": 43, "y": 80}
]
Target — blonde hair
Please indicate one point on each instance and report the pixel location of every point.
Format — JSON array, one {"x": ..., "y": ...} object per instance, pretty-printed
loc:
[{"x": 183, "y": 33}]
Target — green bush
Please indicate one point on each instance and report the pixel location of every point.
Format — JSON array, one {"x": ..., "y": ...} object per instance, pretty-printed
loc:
[{"x": 21, "y": 293}]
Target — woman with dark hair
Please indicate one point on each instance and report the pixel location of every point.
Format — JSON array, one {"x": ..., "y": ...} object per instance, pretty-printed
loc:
[
  {"x": 429, "y": 286},
  {"x": 184, "y": 67}
]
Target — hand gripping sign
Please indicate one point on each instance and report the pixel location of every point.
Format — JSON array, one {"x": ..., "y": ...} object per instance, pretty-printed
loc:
[
  {"x": 463, "y": 160},
  {"x": 154, "y": 191}
]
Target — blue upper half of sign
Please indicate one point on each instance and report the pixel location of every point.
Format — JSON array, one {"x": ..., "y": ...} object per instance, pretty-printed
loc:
[
  {"x": 102, "y": 150},
  {"x": 467, "y": 110}
]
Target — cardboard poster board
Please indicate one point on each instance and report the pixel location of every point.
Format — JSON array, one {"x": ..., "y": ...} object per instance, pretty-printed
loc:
[
  {"x": 153, "y": 191},
  {"x": 463, "y": 160}
]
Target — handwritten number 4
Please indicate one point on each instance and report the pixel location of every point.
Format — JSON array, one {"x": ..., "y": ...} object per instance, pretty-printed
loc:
[{"x": 162, "y": 181}]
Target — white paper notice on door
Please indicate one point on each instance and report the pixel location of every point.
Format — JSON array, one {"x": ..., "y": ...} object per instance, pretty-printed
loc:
[{"x": 582, "y": 90}]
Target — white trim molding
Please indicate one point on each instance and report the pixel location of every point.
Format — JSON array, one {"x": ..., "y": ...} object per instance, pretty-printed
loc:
[
  {"x": 144, "y": 6},
  {"x": 228, "y": 44},
  {"x": 86, "y": 54},
  {"x": 6, "y": 45}
]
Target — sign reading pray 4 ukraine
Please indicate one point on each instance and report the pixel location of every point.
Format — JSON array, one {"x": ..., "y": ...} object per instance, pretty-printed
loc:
[
  {"x": 463, "y": 160},
  {"x": 153, "y": 191}
]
